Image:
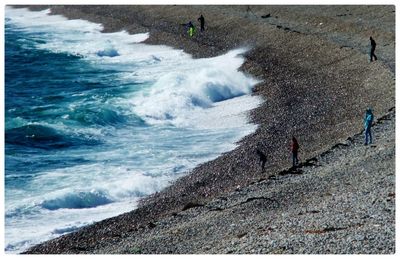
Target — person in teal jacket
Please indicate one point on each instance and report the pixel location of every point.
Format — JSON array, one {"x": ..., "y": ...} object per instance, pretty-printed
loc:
[{"x": 369, "y": 118}]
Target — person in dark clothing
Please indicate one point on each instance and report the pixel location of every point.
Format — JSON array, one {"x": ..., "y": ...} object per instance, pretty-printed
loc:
[
  {"x": 263, "y": 158},
  {"x": 369, "y": 118},
  {"x": 201, "y": 20},
  {"x": 294, "y": 146},
  {"x": 373, "y": 46}
]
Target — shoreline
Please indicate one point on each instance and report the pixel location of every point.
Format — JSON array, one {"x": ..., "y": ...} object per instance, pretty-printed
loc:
[
  {"x": 258, "y": 218},
  {"x": 309, "y": 92}
]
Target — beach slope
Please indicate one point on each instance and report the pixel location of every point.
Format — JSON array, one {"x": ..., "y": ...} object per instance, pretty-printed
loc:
[{"x": 317, "y": 81}]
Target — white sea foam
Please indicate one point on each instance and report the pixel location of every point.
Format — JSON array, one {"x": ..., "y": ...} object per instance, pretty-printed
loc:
[
  {"x": 182, "y": 96},
  {"x": 194, "y": 110}
]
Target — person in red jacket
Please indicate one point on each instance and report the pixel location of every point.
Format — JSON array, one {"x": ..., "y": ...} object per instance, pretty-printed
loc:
[{"x": 294, "y": 146}]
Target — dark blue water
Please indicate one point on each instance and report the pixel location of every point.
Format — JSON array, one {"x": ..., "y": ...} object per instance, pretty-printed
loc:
[{"x": 39, "y": 87}]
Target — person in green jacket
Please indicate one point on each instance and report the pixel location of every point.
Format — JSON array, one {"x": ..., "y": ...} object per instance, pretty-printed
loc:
[{"x": 191, "y": 30}]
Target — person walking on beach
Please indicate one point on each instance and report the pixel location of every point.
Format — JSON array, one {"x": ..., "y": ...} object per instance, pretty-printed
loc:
[
  {"x": 373, "y": 46},
  {"x": 294, "y": 146},
  {"x": 262, "y": 158},
  {"x": 369, "y": 118},
  {"x": 201, "y": 20}
]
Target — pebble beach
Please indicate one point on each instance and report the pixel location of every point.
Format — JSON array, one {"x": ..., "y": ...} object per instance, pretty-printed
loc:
[{"x": 316, "y": 81}]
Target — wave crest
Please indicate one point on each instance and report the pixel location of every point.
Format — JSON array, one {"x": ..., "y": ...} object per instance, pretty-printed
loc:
[
  {"x": 110, "y": 52},
  {"x": 79, "y": 200},
  {"x": 176, "y": 94}
]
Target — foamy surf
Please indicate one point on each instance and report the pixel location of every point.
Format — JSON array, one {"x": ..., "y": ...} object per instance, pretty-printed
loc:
[{"x": 112, "y": 120}]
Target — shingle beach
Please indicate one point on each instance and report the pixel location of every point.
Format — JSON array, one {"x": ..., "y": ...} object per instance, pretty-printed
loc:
[{"x": 316, "y": 80}]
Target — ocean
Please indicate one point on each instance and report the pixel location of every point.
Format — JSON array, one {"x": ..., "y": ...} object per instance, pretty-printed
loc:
[{"x": 95, "y": 121}]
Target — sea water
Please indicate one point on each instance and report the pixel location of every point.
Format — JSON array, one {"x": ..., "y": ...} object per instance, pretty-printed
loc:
[{"x": 95, "y": 121}]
